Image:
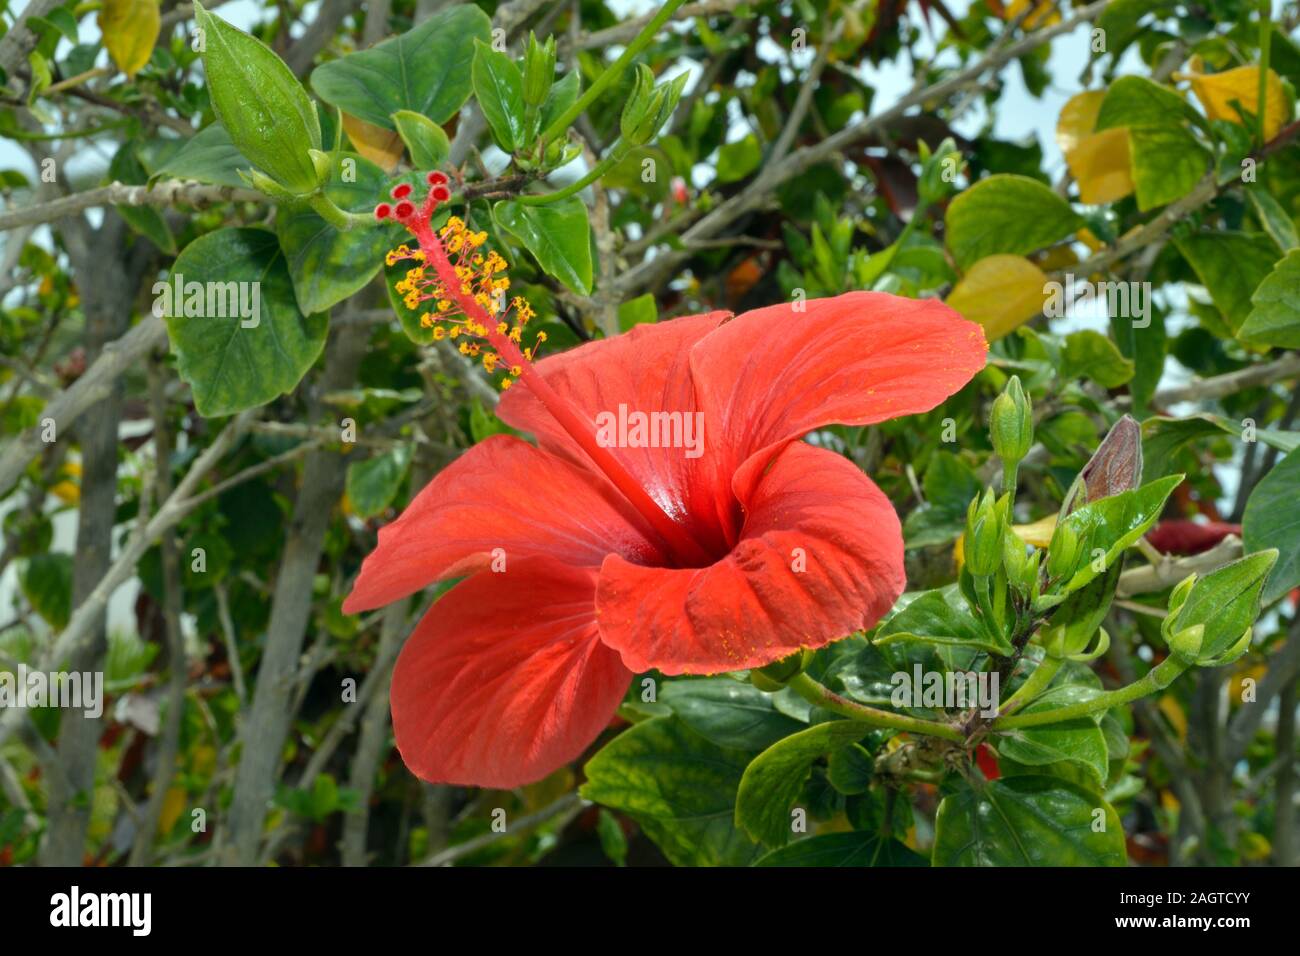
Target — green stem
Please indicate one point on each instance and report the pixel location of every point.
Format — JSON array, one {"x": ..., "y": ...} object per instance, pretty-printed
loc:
[
  {"x": 821, "y": 695},
  {"x": 339, "y": 218},
  {"x": 1034, "y": 685},
  {"x": 1010, "y": 471},
  {"x": 614, "y": 157},
  {"x": 613, "y": 73},
  {"x": 1265, "y": 42},
  {"x": 1156, "y": 679}
]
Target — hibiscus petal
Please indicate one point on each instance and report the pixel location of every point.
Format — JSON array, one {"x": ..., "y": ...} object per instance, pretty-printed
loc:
[
  {"x": 820, "y": 556},
  {"x": 645, "y": 370},
  {"x": 775, "y": 374},
  {"x": 506, "y": 680},
  {"x": 502, "y": 493}
]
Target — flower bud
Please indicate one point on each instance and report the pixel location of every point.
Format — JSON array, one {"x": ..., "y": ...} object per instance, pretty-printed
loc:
[
  {"x": 983, "y": 539},
  {"x": 649, "y": 106},
  {"x": 1015, "y": 558},
  {"x": 938, "y": 171},
  {"x": 1011, "y": 423},
  {"x": 1186, "y": 643},
  {"x": 1210, "y": 618},
  {"x": 1063, "y": 552},
  {"x": 539, "y": 70}
]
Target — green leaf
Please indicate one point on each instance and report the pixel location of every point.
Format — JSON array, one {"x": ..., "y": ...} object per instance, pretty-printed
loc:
[
  {"x": 263, "y": 107},
  {"x": 209, "y": 156},
  {"x": 229, "y": 365},
  {"x": 1007, "y": 214},
  {"x": 327, "y": 264},
  {"x": 737, "y": 160},
  {"x": 1272, "y": 520},
  {"x": 372, "y": 484},
  {"x": 940, "y": 616},
  {"x": 1027, "y": 821},
  {"x": 678, "y": 786},
  {"x": 425, "y": 70},
  {"x": 1089, "y": 354},
  {"x": 613, "y": 842},
  {"x": 1162, "y": 437},
  {"x": 775, "y": 778},
  {"x": 1113, "y": 524},
  {"x": 563, "y": 95},
  {"x": 1143, "y": 341},
  {"x": 1167, "y": 164},
  {"x": 125, "y": 167},
  {"x": 728, "y": 713},
  {"x": 46, "y": 582},
  {"x": 850, "y": 769},
  {"x": 642, "y": 310},
  {"x": 499, "y": 88},
  {"x": 557, "y": 234},
  {"x": 1166, "y": 159},
  {"x": 1230, "y": 265},
  {"x": 1079, "y": 741},
  {"x": 425, "y": 140},
  {"x": 1136, "y": 102},
  {"x": 844, "y": 849},
  {"x": 1275, "y": 220},
  {"x": 1275, "y": 316}
]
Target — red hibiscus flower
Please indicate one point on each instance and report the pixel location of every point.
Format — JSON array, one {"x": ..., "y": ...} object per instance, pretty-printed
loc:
[{"x": 585, "y": 564}]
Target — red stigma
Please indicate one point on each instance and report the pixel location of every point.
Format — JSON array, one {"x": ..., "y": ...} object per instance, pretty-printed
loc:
[
  {"x": 401, "y": 191},
  {"x": 383, "y": 211},
  {"x": 403, "y": 210},
  {"x": 436, "y": 178},
  {"x": 441, "y": 193}
]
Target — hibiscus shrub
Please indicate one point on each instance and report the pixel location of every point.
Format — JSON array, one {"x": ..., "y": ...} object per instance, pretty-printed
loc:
[{"x": 517, "y": 432}]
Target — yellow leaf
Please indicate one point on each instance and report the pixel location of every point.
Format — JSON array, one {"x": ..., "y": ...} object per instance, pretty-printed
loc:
[
  {"x": 1099, "y": 162},
  {"x": 1255, "y": 847},
  {"x": 1045, "y": 13},
  {"x": 1078, "y": 119},
  {"x": 66, "y": 492},
  {"x": 1217, "y": 91},
  {"x": 1001, "y": 293},
  {"x": 383, "y": 147},
  {"x": 1176, "y": 715},
  {"x": 173, "y": 806},
  {"x": 1038, "y": 533},
  {"x": 130, "y": 29},
  {"x": 1237, "y": 682}
]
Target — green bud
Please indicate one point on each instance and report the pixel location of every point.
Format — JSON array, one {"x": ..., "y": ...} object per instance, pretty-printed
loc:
[
  {"x": 984, "y": 528},
  {"x": 1015, "y": 558},
  {"x": 1217, "y": 610},
  {"x": 649, "y": 106},
  {"x": 323, "y": 164},
  {"x": 268, "y": 186},
  {"x": 1063, "y": 552},
  {"x": 1186, "y": 643},
  {"x": 1011, "y": 423},
  {"x": 539, "y": 70},
  {"x": 938, "y": 171}
]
